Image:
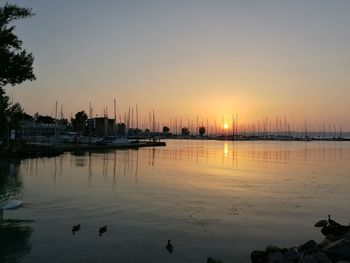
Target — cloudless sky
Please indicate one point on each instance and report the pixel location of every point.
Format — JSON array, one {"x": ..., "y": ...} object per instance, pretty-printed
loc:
[{"x": 188, "y": 58}]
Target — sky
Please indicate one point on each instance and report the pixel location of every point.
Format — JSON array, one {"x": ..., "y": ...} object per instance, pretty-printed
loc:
[{"x": 188, "y": 58}]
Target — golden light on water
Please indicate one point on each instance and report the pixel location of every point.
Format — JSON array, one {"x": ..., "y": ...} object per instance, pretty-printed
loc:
[{"x": 226, "y": 149}]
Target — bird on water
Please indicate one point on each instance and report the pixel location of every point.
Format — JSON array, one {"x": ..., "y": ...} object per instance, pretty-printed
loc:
[
  {"x": 102, "y": 230},
  {"x": 75, "y": 228},
  {"x": 331, "y": 228},
  {"x": 170, "y": 247}
]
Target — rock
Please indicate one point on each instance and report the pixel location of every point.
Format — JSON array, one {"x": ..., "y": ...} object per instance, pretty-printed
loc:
[
  {"x": 290, "y": 257},
  {"x": 307, "y": 259},
  {"x": 318, "y": 257},
  {"x": 337, "y": 231},
  {"x": 275, "y": 257},
  {"x": 347, "y": 235},
  {"x": 258, "y": 256},
  {"x": 271, "y": 248},
  {"x": 211, "y": 260},
  {"x": 322, "y": 257},
  {"x": 339, "y": 249},
  {"x": 325, "y": 242},
  {"x": 309, "y": 245}
]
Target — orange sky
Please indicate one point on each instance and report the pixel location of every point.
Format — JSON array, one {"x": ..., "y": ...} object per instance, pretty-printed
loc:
[{"x": 186, "y": 58}]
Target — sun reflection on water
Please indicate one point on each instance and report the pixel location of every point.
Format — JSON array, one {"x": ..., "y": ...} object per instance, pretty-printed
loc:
[{"x": 226, "y": 149}]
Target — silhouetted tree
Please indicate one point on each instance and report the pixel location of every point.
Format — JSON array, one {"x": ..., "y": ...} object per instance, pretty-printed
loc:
[
  {"x": 80, "y": 121},
  {"x": 43, "y": 119},
  {"x": 16, "y": 65},
  {"x": 10, "y": 110},
  {"x": 121, "y": 129},
  {"x": 17, "y": 115},
  {"x": 64, "y": 122},
  {"x": 166, "y": 129},
  {"x": 185, "y": 131},
  {"x": 201, "y": 130}
]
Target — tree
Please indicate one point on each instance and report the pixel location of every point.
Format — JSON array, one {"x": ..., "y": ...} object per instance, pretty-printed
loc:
[
  {"x": 201, "y": 130},
  {"x": 16, "y": 65},
  {"x": 11, "y": 114},
  {"x": 80, "y": 121},
  {"x": 43, "y": 119},
  {"x": 121, "y": 129},
  {"x": 185, "y": 131},
  {"x": 166, "y": 129}
]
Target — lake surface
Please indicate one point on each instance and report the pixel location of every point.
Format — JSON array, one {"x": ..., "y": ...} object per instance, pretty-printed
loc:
[{"x": 211, "y": 198}]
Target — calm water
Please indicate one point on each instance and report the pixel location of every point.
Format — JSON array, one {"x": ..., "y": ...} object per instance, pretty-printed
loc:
[{"x": 211, "y": 198}]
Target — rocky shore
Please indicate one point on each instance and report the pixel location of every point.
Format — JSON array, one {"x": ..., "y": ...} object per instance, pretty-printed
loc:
[{"x": 334, "y": 248}]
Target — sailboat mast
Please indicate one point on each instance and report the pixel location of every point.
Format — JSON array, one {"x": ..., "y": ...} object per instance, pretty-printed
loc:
[
  {"x": 137, "y": 117},
  {"x": 115, "y": 119}
]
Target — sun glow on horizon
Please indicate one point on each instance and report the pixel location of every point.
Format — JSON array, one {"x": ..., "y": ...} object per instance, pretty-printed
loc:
[{"x": 225, "y": 126}]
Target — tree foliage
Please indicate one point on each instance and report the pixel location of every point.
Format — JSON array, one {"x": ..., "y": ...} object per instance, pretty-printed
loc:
[
  {"x": 166, "y": 129},
  {"x": 185, "y": 131},
  {"x": 201, "y": 130},
  {"x": 43, "y": 119},
  {"x": 12, "y": 112},
  {"x": 16, "y": 63},
  {"x": 79, "y": 123},
  {"x": 121, "y": 129}
]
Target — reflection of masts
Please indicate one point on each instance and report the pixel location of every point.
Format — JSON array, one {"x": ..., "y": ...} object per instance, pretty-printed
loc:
[
  {"x": 124, "y": 163},
  {"x": 61, "y": 161},
  {"x": 149, "y": 156},
  {"x": 90, "y": 170},
  {"x": 131, "y": 168},
  {"x": 54, "y": 172},
  {"x": 137, "y": 165},
  {"x": 114, "y": 166},
  {"x": 105, "y": 164}
]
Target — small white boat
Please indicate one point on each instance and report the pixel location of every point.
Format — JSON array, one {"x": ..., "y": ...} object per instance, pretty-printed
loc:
[
  {"x": 12, "y": 204},
  {"x": 120, "y": 141}
]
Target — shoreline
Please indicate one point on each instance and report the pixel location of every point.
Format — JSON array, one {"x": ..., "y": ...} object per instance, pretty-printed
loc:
[
  {"x": 20, "y": 150},
  {"x": 334, "y": 248},
  {"x": 47, "y": 150}
]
